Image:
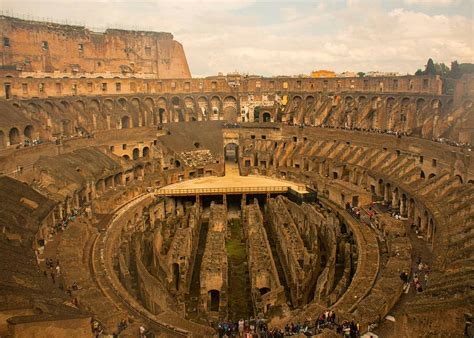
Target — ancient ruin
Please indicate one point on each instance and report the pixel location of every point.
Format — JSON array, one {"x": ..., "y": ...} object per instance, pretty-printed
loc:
[{"x": 134, "y": 197}]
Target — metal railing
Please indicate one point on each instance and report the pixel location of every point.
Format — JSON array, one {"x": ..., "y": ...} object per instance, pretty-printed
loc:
[{"x": 230, "y": 190}]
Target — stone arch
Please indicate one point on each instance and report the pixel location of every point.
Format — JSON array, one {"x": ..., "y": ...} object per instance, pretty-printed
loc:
[
  {"x": 296, "y": 101},
  {"x": 125, "y": 122},
  {"x": 14, "y": 136},
  {"x": 109, "y": 105},
  {"x": 118, "y": 179},
  {"x": 146, "y": 151},
  {"x": 126, "y": 157},
  {"x": 122, "y": 102},
  {"x": 381, "y": 187},
  {"x": 432, "y": 175},
  {"x": 216, "y": 105},
  {"x": 136, "y": 153},
  {"x": 436, "y": 104},
  {"x": 231, "y": 152},
  {"x": 230, "y": 108},
  {"x": 32, "y": 108},
  {"x": 309, "y": 100},
  {"x": 266, "y": 117},
  {"x": 420, "y": 103},
  {"x": 80, "y": 105},
  {"x": 175, "y": 101},
  {"x": 189, "y": 102},
  {"x": 203, "y": 104},
  {"x": 162, "y": 105},
  {"x": 362, "y": 99},
  {"x": 189, "y": 105},
  {"x": 390, "y": 102},
  {"x": 28, "y": 132}
]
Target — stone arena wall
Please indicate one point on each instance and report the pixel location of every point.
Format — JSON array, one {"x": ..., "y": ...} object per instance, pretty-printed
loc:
[{"x": 65, "y": 49}]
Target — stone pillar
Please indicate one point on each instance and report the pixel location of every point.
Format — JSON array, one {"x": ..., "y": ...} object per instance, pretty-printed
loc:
[
  {"x": 60, "y": 211},
  {"x": 395, "y": 199},
  {"x": 198, "y": 202},
  {"x": 403, "y": 207},
  {"x": 386, "y": 195}
]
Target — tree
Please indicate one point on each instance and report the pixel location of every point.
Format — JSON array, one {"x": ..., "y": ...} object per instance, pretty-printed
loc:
[
  {"x": 430, "y": 67},
  {"x": 360, "y": 74},
  {"x": 419, "y": 72},
  {"x": 441, "y": 69},
  {"x": 455, "y": 72}
]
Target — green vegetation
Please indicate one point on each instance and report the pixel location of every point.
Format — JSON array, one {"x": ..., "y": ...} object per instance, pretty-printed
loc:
[
  {"x": 240, "y": 304},
  {"x": 455, "y": 72}
]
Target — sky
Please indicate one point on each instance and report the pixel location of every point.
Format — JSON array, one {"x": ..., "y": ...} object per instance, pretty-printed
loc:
[{"x": 277, "y": 37}]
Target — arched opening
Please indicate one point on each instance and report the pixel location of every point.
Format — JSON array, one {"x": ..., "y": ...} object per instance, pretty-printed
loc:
[
  {"x": 28, "y": 132},
  {"x": 14, "y": 136},
  {"x": 118, "y": 179},
  {"x": 175, "y": 101},
  {"x": 126, "y": 157},
  {"x": 422, "y": 174},
  {"x": 431, "y": 176},
  {"x": 403, "y": 205},
  {"x": 125, "y": 122},
  {"x": 266, "y": 117},
  {"x": 146, "y": 151},
  {"x": 109, "y": 182},
  {"x": 177, "y": 164},
  {"x": 381, "y": 188},
  {"x": 213, "y": 300},
  {"x": 136, "y": 153},
  {"x": 263, "y": 291},
  {"x": 231, "y": 153},
  {"x": 230, "y": 109},
  {"x": 175, "y": 268},
  {"x": 161, "y": 113}
]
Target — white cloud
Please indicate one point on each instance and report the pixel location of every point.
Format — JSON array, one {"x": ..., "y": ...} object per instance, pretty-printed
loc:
[
  {"x": 431, "y": 2},
  {"x": 283, "y": 37}
]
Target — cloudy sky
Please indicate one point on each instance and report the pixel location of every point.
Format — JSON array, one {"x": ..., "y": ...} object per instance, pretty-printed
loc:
[{"x": 276, "y": 37}]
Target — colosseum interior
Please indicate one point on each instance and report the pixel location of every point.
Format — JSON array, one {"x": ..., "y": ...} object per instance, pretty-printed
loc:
[{"x": 135, "y": 196}]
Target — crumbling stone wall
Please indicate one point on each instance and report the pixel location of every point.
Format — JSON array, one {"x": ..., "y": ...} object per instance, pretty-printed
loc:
[
  {"x": 214, "y": 266},
  {"x": 267, "y": 292},
  {"x": 76, "y": 49}
]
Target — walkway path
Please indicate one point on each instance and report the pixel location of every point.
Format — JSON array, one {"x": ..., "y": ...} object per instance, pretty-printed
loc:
[{"x": 240, "y": 305}]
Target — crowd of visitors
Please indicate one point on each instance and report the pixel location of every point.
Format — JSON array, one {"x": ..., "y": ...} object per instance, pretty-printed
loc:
[
  {"x": 419, "y": 279},
  {"x": 259, "y": 328}
]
